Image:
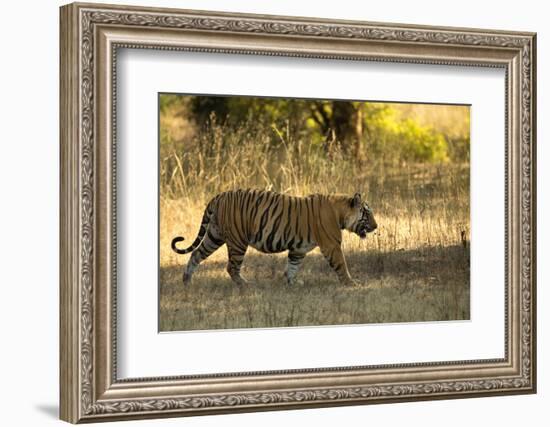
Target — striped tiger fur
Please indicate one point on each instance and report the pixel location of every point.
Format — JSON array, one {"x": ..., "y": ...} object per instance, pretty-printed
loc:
[{"x": 272, "y": 222}]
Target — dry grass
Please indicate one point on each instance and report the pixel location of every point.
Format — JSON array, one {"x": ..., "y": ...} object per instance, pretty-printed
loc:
[
  {"x": 415, "y": 267},
  {"x": 427, "y": 284}
]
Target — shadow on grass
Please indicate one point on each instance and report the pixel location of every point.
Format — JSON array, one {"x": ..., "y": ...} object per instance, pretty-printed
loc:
[
  {"x": 418, "y": 262},
  {"x": 425, "y": 284}
]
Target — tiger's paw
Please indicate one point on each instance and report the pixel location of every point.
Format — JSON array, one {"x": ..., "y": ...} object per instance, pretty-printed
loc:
[
  {"x": 241, "y": 282},
  {"x": 352, "y": 283},
  {"x": 294, "y": 282}
]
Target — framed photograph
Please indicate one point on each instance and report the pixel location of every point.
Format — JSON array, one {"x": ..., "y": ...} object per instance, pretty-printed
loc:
[{"x": 264, "y": 212}]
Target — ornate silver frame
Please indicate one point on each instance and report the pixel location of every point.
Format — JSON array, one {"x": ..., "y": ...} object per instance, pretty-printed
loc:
[{"x": 90, "y": 36}]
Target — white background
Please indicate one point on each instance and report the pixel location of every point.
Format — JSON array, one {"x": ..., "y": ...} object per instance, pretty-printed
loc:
[
  {"x": 29, "y": 172},
  {"x": 143, "y": 352}
]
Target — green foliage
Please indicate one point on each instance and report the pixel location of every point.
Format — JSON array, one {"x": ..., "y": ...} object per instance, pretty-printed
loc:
[
  {"x": 397, "y": 140},
  {"x": 364, "y": 132}
]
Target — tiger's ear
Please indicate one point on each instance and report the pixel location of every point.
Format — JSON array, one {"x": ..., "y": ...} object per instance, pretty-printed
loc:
[{"x": 356, "y": 201}]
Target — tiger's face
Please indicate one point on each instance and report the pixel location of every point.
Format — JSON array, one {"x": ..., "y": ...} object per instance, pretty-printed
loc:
[{"x": 360, "y": 219}]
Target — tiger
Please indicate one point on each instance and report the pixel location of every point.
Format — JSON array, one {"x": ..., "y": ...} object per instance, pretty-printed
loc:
[{"x": 272, "y": 222}]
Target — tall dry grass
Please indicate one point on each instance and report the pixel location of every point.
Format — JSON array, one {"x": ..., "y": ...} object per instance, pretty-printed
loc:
[{"x": 415, "y": 267}]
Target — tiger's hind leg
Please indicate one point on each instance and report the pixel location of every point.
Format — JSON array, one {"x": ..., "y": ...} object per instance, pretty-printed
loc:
[
  {"x": 236, "y": 254},
  {"x": 212, "y": 241},
  {"x": 294, "y": 262}
]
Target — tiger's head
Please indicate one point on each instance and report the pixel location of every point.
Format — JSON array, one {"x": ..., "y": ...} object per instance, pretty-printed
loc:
[{"x": 359, "y": 219}]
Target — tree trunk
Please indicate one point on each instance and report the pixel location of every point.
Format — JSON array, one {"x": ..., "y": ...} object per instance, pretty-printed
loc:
[{"x": 347, "y": 124}]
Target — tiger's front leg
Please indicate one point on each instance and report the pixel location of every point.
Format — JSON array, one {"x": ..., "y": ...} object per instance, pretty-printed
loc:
[
  {"x": 293, "y": 265},
  {"x": 336, "y": 260}
]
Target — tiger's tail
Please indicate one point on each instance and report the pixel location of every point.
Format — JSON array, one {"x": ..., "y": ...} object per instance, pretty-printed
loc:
[{"x": 202, "y": 232}]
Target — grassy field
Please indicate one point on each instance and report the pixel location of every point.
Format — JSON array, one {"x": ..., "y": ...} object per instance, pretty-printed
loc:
[
  {"x": 414, "y": 267},
  {"x": 426, "y": 284}
]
